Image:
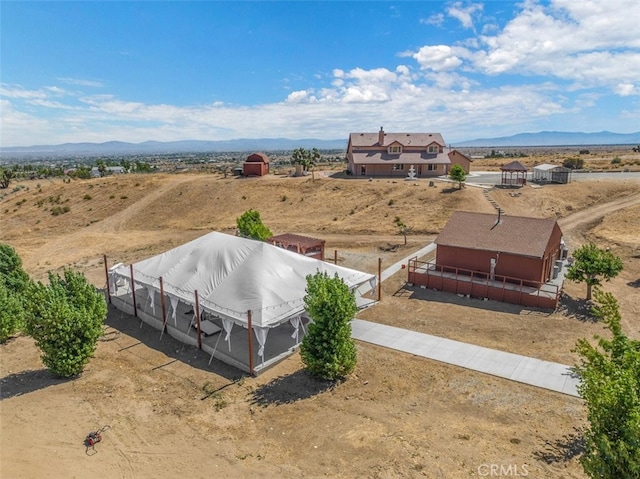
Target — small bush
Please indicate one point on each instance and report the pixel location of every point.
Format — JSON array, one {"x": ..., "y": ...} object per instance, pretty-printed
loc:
[
  {"x": 112, "y": 197},
  {"x": 616, "y": 161},
  {"x": 573, "y": 163},
  {"x": 391, "y": 202},
  {"x": 283, "y": 198},
  {"x": 87, "y": 197},
  {"x": 124, "y": 197},
  {"x": 60, "y": 210}
]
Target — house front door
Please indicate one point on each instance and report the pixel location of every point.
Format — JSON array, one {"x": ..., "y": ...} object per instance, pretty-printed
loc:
[
  {"x": 419, "y": 170},
  {"x": 363, "y": 170}
]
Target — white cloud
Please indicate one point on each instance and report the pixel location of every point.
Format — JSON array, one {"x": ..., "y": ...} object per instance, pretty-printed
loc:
[
  {"x": 435, "y": 19},
  {"x": 464, "y": 13},
  {"x": 81, "y": 82},
  {"x": 440, "y": 57}
]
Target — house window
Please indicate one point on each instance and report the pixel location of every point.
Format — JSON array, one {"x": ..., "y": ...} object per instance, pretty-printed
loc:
[
  {"x": 395, "y": 149},
  {"x": 433, "y": 167},
  {"x": 398, "y": 166},
  {"x": 363, "y": 170},
  {"x": 433, "y": 149}
]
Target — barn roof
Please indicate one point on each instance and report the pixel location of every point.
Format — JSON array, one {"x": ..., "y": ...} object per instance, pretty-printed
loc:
[
  {"x": 291, "y": 238},
  {"x": 512, "y": 234},
  {"x": 257, "y": 157}
]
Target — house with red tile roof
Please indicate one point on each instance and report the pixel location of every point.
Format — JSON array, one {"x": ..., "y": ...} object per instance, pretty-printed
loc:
[{"x": 396, "y": 154}]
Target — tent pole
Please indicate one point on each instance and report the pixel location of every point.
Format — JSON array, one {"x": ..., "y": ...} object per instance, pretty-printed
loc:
[
  {"x": 164, "y": 309},
  {"x": 379, "y": 278},
  {"x": 198, "y": 320},
  {"x": 106, "y": 272},
  {"x": 133, "y": 292},
  {"x": 250, "y": 343}
]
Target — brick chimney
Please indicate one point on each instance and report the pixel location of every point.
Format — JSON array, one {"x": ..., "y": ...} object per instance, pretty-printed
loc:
[{"x": 381, "y": 137}]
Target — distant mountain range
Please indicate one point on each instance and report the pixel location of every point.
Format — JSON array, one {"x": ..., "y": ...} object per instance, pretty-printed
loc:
[
  {"x": 159, "y": 147},
  {"x": 543, "y": 138},
  {"x": 556, "y": 138}
]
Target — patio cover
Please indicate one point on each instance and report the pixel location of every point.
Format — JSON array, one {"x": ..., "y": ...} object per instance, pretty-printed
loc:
[{"x": 234, "y": 275}]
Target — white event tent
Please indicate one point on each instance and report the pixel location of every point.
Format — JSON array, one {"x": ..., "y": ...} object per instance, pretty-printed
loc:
[{"x": 238, "y": 281}]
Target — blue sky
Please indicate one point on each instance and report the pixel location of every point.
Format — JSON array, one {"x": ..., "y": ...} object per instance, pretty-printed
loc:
[{"x": 136, "y": 71}]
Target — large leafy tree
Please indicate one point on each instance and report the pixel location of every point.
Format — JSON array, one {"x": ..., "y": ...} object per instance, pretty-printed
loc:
[
  {"x": 250, "y": 225},
  {"x": 328, "y": 350},
  {"x": 457, "y": 174},
  {"x": 65, "y": 319},
  {"x": 591, "y": 265},
  {"x": 610, "y": 385},
  {"x": 14, "y": 282}
]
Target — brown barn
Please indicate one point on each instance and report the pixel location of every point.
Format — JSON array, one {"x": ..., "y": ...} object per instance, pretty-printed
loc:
[
  {"x": 257, "y": 164},
  {"x": 493, "y": 255},
  {"x": 312, "y": 247}
]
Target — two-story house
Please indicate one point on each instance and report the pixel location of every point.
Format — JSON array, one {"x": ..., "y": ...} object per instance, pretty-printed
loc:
[{"x": 393, "y": 154}]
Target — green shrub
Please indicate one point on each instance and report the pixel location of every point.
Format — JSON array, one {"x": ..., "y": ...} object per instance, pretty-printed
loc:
[
  {"x": 328, "y": 350},
  {"x": 573, "y": 163},
  {"x": 616, "y": 161},
  {"x": 86, "y": 197},
  {"x": 65, "y": 319},
  {"x": 11, "y": 313}
]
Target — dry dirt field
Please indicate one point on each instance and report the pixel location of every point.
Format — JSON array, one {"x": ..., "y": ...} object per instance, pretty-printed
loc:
[{"x": 170, "y": 414}]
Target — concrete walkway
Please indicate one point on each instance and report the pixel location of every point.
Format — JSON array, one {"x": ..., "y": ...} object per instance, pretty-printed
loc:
[{"x": 536, "y": 372}]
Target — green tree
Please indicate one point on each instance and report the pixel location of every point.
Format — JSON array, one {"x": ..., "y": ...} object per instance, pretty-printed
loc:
[
  {"x": 457, "y": 174},
  {"x": 610, "y": 386},
  {"x": 403, "y": 229},
  {"x": 14, "y": 283},
  {"x": 250, "y": 226},
  {"x": 5, "y": 177},
  {"x": 11, "y": 272},
  {"x": 65, "y": 319},
  {"x": 591, "y": 265},
  {"x": 11, "y": 313},
  {"x": 328, "y": 350}
]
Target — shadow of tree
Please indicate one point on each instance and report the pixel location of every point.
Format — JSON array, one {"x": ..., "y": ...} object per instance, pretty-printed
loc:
[
  {"x": 634, "y": 284},
  {"x": 562, "y": 450},
  {"x": 577, "y": 308},
  {"x": 25, "y": 382},
  {"x": 449, "y": 190},
  {"x": 288, "y": 389}
]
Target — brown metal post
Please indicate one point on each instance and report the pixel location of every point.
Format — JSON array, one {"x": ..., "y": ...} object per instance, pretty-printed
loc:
[
  {"x": 198, "y": 320},
  {"x": 133, "y": 292},
  {"x": 250, "y": 343},
  {"x": 106, "y": 272},
  {"x": 379, "y": 278},
  {"x": 335, "y": 256},
  {"x": 164, "y": 309}
]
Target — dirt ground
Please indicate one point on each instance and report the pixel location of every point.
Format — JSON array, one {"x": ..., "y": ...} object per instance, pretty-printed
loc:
[{"x": 171, "y": 414}]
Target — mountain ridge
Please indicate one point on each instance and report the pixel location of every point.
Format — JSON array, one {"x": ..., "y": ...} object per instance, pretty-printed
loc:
[{"x": 542, "y": 138}]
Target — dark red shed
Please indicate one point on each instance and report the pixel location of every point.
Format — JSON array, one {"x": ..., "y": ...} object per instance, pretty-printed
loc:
[
  {"x": 257, "y": 164},
  {"x": 312, "y": 247}
]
